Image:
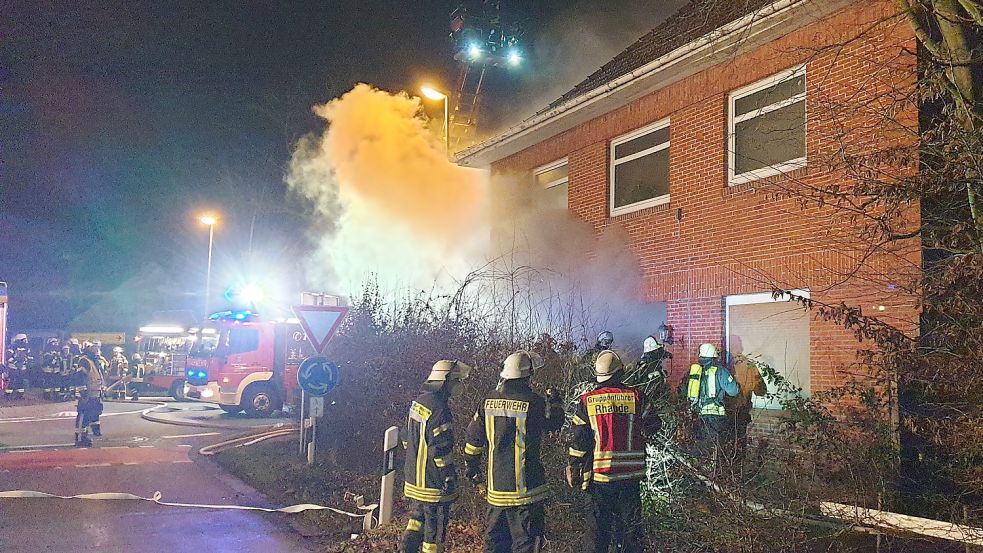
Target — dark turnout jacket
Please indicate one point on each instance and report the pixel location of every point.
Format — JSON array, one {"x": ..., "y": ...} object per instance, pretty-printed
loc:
[
  {"x": 429, "y": 474},
  {"x": 510, "y": 424}
]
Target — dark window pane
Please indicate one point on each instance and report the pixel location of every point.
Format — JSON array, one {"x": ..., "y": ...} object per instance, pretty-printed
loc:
[
  {"x": 770, "y": 139},
  {"x": 242, "y": 340},
  {"x": 643, "y": 142},
  {"x": 781, "y": 91},
  {"x": 641, "y": 179},
  {"x": 542, "y": 179}
]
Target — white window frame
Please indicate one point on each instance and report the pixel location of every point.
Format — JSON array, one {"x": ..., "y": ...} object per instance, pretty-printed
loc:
[
  {"x": 617, "y": 141},
  {"x": 770, "y": 171},
  {"x": 550, "y": 167},
  {"x": 754, "y": 299}
]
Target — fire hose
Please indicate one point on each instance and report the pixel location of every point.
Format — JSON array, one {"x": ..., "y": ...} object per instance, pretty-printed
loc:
[{"x": 366, "y": 515}]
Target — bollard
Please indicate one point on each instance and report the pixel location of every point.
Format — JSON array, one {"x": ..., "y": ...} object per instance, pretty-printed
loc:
[{"x": 389, "y": 444}]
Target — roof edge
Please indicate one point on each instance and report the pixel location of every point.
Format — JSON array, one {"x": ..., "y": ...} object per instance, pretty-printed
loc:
[{"x": 642, "y": 81}]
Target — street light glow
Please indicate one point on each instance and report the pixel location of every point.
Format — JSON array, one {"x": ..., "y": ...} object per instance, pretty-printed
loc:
[
  {"x": 514, "y": 58},
  {"x": 208, "y": 220},
  {"x": 433, "y": 93},
  {"x": 474, "y": 51},
  {"x": 252, "y": 294}
]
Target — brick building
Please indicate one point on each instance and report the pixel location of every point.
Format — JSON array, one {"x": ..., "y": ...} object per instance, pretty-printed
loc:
[{"x": 683, "y": 140}]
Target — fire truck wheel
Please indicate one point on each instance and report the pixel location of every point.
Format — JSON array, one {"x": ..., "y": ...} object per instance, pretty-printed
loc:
[
  {"x": 177, "y": 390},
  {"x": 260, "y": 401}
]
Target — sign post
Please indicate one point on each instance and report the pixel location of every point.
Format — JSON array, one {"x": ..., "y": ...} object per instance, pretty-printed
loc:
[
  {"x": 389, "y": 444},
  {"x": 317, "y": 375}
]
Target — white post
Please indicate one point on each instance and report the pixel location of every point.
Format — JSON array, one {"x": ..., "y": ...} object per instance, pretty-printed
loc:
[
  {"x": 303, "y": 427},
  {"x": 310, "y": 446},
  {"x": 388, "y": 475}
]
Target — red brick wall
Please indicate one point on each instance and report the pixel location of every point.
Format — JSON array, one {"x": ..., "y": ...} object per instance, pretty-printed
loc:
[{"x": 745, "y": 239}]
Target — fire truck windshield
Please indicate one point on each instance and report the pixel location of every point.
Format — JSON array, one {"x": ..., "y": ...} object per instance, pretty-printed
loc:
[{"x": 206, "y": 344}]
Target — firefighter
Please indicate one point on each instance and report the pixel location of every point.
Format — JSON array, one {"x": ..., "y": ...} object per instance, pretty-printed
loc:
[
  {"x": 63, "y": 378},
  {"x": 119, "y": 368},
  {"x": 749, "y": 382},
  {"x": 76, "y": 376},
  {"x": 706, "y": 386},
  {"x": 429, "y": 474},
  {"x": 136, "y": 372},
  {"x": 607, "y": 455},
  {"x": 604, "y": 341},
  {"x": 50, "y": 368},
  {"x": 510, "y": 424},
  {"x": 18, "y": 361},
  {"x": 648, "y": 375},
  {"x": 90, "y": 403}
]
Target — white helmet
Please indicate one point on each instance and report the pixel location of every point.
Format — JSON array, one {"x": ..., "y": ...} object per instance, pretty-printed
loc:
[
  {"x": 650, "y": 344},
  {"x": 605, "y": 339},
  {"x": 117, "y": 349},
  {"x": 137, "y": 357},
  {"x": 709, "y": 351},
  {"x": 20, "y": 337},
  {"x": 607, "y": 364},
  {"x": 518, "y": 365},
  {"x": 448, "y": 370}
]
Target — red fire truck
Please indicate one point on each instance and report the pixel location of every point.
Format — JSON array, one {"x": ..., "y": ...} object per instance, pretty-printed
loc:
[
  {"x": 164, "y": 344},
  {"x": 242, "y": 362}
]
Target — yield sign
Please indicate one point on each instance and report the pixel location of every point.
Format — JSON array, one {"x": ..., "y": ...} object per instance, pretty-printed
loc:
[{"x": 320, "y": 322}]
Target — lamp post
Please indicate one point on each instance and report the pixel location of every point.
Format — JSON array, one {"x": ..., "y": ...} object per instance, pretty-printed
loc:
[
  {"x": 210, "y": 221},
  {"x": 434, "y": 94}
]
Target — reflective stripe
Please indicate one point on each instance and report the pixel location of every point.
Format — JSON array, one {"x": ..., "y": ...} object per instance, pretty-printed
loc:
[
  {"x": 441, "y": 429},
  {"x": 427, "y": 495},
  {"x": 440, "y": 462},
  {"x": 577, "y": 452},
  {"x": 520, "y": 454},
  {"x": 490, "y": 437},
  {"x": 579, "y": 421},
  {"x": 413, "y": 525},
  {"x": 712, "y": 382},
  {"x": 432, "y": 548},
  {"x": 620, "y": 455},
  {"x": 713, "y": 409},
  {"x": 473, "y": 449},
  {"x": 616, "y": 477},
  {"x": 421, "y": 456},
  {"x": 516, "y": 499},
  {"x": 619, "y": 464}
]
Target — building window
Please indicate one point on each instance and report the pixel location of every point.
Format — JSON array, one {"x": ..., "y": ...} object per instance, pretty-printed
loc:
[
  {"x": 554, "y": 179},
  {"x": 640, "y": 169},
  {"x": 773, "y": 332},
  {"x": 767, "y": 127}
]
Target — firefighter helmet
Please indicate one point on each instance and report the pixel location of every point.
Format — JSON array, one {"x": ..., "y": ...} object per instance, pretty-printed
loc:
[
  {"x": 20, "y": 337},
  {"x": 117, "y": 349},
  {"x": 650, "y": 344},
  {"x": 520, "y": 364},
  {"x": 54, "y": 342},
  {"x": 607, "y": 364},
  {"x": 605, "y": 339},
  {"x": 137, "y": 358},
  {"x": 74, "y": 342},
  {"x": 708, "y": 351},
  {"x": 448, "y": 370}
]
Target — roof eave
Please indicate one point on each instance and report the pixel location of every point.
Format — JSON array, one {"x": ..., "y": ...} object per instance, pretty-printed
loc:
[{"x": 743, "y": 34}]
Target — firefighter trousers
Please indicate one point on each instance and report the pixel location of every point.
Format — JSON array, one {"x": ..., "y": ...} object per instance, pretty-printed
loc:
[
  {"x": 617, "y": 509},
  {"x": 515, "y": 529},
  {"x": 426, "y": 530}
]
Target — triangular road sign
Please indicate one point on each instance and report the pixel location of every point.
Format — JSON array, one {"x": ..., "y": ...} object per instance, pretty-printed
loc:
[{"x": 320, "y": 322}]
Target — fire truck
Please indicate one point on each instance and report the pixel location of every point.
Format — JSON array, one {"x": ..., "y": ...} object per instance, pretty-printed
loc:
[
  {"x": 244, "y": 363},
  {"x": 164, "y": 344}
]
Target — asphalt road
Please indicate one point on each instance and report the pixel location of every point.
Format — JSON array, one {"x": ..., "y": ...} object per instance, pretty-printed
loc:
[{"x": 134, "y": 456}]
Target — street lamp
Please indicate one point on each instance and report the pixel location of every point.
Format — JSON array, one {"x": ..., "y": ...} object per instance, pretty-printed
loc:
[
  {"x": 434, "y": 94},
  {"x": 210, "y": 221}
]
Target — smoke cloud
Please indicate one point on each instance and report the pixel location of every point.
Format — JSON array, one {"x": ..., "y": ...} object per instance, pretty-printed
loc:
[{"x": 389, "y": 205}]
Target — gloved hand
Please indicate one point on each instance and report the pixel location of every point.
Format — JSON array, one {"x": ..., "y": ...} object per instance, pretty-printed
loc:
[
  {"x": 473, "y": 473},
  {"x": 553, "y": 397},
  {"x": 577, "y": 478},
  {"x": 450, "y": 484}
]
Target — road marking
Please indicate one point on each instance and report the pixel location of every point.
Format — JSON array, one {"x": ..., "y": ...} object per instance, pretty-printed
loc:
[
  {"x": 57, "y": 468},
  {"x": 183, "y": 461},
  {"x": 25, "y": 451},
  {"x": 176, "y": 436},
  {"x": 145, "y": 446},
  {"x": 131, "y": 463},
  {"x": 56, "y": 417},
  {"x": 89, "y": 465},
  {"x": 116, "y": 447}
]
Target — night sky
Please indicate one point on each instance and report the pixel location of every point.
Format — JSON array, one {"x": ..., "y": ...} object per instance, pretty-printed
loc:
[{"x": 120, "y": 122}]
